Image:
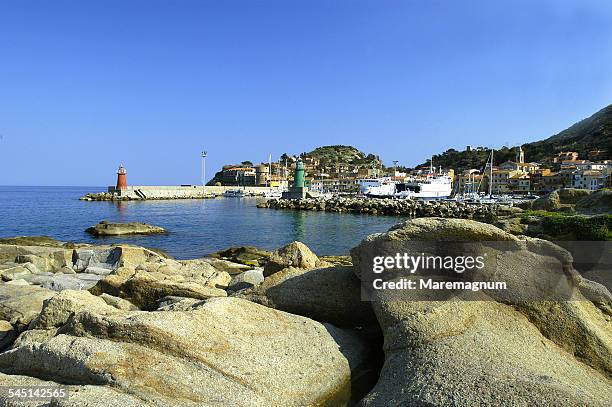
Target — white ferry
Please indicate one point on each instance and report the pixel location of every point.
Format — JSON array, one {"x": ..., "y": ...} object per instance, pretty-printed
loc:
[
  {"x": 431, "y": 187},
  {"x": 377, "y": 187}
]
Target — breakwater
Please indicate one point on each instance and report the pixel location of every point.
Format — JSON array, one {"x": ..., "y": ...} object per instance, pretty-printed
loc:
[
  {"x": 140, "y": 193},
  {"x": 397, "y": 207}
]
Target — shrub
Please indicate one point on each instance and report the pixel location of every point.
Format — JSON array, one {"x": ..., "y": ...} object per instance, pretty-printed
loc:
[{"x": 578, "y": 227}]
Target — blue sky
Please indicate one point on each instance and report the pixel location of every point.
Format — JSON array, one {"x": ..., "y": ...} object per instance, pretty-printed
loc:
[{"x": 87, "y": 85}]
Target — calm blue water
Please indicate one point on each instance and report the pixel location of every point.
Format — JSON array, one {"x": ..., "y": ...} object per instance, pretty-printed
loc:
[{"x": 197, "y": 227}]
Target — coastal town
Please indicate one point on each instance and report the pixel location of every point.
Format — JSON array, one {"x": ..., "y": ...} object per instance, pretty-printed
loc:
[{"x": 519, "y": 176}]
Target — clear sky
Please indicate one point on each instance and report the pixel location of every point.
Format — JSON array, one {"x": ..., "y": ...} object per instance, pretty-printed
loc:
[{"x": 87, "y": 85}]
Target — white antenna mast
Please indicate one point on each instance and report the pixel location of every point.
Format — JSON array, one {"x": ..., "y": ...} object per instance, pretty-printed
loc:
[{"x": 203, "y": 167}]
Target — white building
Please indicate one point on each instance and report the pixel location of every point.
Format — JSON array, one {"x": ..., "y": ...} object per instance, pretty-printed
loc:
[{"x": 588, "y": 179}]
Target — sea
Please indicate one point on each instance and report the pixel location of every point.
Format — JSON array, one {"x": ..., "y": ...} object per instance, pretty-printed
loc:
[{"x": 196, "y": 227}]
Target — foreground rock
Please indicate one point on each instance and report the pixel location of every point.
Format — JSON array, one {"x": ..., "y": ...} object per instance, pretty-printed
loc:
[
  {"x": 328, "y": 294},
  {"x": 20, "y": 304},
  {"x": 484, "y": 352},
  {"x": 135, "y": 274},
  {"x": 117, "y": 229},
  {"x": 35, "y": 258},
  {"x": 225, "y": 351},
  {"x": 87, "y": 395},
  {"x": 145, "y": 284}
]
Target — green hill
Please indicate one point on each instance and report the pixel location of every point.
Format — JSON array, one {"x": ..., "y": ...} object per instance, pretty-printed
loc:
[{"x": 340, "y": 154}]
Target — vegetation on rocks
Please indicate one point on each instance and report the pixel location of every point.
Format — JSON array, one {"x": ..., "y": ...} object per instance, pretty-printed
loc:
[{"x": 562, "y": 227}]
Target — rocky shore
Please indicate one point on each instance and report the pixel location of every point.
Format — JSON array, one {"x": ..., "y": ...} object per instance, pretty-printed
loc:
[
  {"x": 401, "y": 207},
  {"x": 126, "y": 326}
]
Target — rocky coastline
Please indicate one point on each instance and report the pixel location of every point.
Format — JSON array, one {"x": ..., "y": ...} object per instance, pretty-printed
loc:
[
  {"x": 394, "y": 207},
  {"x": 249, "y": 327}
]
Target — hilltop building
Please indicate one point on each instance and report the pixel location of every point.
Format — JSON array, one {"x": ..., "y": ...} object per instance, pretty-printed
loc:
[
  {"x": 239, "y": 176},
  {"x": 565, "y": 156}
]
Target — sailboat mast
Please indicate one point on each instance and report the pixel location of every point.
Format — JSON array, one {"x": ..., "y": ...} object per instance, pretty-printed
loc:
[
  {"x": 269, "y": 170},
  {"x": 491, "y": 176}
]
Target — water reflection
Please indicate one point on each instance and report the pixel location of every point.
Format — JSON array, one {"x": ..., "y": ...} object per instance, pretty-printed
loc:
[{"x": 299, "y": 230}]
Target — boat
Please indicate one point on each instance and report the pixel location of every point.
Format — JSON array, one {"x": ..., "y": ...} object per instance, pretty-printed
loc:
[
  {"x": 433, "y": 186},
  {"x": 377, "y": 187},
  {"x": 274, "y": 193},
  {"x": 234, "y": 193}
]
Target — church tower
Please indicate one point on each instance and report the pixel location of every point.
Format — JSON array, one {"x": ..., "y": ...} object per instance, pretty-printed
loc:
[{"x": 520, "y": 155}]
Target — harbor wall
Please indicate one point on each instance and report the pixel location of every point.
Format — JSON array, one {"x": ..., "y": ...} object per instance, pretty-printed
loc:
[{"x": 179, "y": 191}]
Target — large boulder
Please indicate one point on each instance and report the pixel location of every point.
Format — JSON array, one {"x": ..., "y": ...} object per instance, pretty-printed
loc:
[
  {"x": 96, "y": 258},
  {"x": 571, "y": 196},
  {"x": 20, "y": 304},
  {"x": 60, "y": 281},
  {"x": 44, "y": 258},
  {"x": 58, "y": 309},
  {"x": 295, "y": 254},
  {"x": 328, "y": 294},
  {"x": 117, "y": 229},
  {"x": 76, "y": 396},
  {"x": 490, "y": 347},
  {"x": 247, "y": 279},
  {"x": 596, "y": 203},
  {"x": 144, "y": 277},
  {"x": 145, "y": 289},
  {"x": 14, "y": 272},
  {"x": 238, "y": 353},
  {"x": 549, "y": 202}
]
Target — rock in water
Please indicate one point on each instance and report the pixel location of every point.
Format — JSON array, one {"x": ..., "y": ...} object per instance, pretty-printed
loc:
[
  {"x": 226, "y": 351},
  {"x": 489, "y": 353},
  {"x": 115, "y": 229}
]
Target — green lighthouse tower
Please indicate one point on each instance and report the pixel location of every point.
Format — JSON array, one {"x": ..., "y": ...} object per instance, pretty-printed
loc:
[
  {"x": 298, "y": 190},
  {"x": 298, "y": 178}
]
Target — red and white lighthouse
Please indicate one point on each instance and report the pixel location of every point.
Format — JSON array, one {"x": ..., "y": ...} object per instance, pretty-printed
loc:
[{"x": 121, "y": 178}]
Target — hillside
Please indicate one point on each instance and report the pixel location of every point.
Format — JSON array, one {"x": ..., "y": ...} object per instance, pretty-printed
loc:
[
  {"x": 463, "y": 160},
  {"x": 589, "y": 134},
  {"x": 593, "y": 133}
]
